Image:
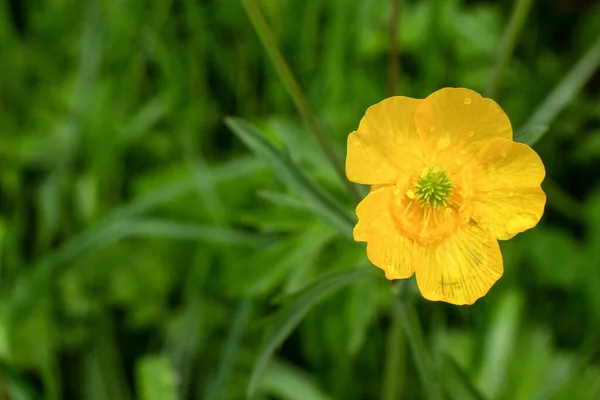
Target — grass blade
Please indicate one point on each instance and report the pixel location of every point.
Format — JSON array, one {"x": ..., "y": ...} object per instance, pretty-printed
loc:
[
  {"x": 226, "y": 366},
  {"x": 511, "y": 35},
  {"x": 560, "y": 97},
  {"x": 323, "y": 205},
  {"x": 294, "y": 311},
  {"x": 294, "y": 90}
]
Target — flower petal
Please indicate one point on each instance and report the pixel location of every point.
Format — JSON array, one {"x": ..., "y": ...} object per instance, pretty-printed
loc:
[
  {"x": 386, "y": 247},
  {"x": 455, "y": 123},
  {"x": 383, "y": 143},
  {"x": 507, "y": 198},
  {"x": 462, "y": 268}
]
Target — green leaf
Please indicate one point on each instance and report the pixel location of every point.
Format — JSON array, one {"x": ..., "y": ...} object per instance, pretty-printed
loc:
[
  {"x": 294, "y": 311},
  {"x": 323, "y": 205},
  {"x": 155, "y": 378},
  {"x": 560, "y": 97}
]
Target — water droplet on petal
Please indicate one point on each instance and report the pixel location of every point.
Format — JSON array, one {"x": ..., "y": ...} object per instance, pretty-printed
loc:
[
  {"x": 511, "y": 194},
  {"x": 459, "y": 161},
  {"x": 462, "y": 152},
  {"x": 467, "y": 101},
  {"x": 491, "y": 170},
  {"x": 443, "y": 142},
  {"x": 432, "y": 129},
  {"x": 470, "y": 134},
  {"x": 503, "y": 153},
  {"x": 517, "y": 224},
  {"x": 399, "y": 139}
]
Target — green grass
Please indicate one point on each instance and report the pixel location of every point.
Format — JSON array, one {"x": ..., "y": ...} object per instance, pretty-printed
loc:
[{"x": 147, "y": 253}]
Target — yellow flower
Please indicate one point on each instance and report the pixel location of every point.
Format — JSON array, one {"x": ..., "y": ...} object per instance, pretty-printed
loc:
[{"x": 447, "y": 181}]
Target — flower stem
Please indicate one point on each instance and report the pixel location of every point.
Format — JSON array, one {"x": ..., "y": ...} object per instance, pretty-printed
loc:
[
  {"x": 394, "y": 52},
  {"x": 511, "y": 35},
  {"x": 293, "y": 88},
  {"x": 414, "y": 335},
  {"x": 393, "y": 375}
]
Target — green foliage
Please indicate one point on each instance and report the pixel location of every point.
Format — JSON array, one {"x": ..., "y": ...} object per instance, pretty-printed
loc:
[{"x": 147, "y": 253}]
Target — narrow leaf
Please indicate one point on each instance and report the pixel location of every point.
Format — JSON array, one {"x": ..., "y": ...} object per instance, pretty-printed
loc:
[
  {"x": 230, "y": 355},
  {"x": 323, "y": 205},
  {"x": 294, "y": 311},
  {"x": 560, "y": 97}
]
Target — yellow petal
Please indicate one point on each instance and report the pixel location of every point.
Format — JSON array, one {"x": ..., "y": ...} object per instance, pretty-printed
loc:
[
  {"x": 386, "y": 247},
  {"x": 507, "y": 198},
  {"x": 460, "y": 269},
  {"x": 455, "y": 123},
  {"x": 383, "y": 144}
]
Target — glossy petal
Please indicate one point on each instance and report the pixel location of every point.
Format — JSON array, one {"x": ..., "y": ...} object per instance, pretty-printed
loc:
[
  {"x": 462, "y": 268},
  {"x": 384, "y": 144},
  {"x": 455, "y": 123},
  {"x": 507, "y": 198},
  {"x": 386, "y": 247}
]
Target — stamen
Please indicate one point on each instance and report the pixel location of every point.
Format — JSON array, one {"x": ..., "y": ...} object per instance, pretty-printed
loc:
[{"x": 433, "y": 188}]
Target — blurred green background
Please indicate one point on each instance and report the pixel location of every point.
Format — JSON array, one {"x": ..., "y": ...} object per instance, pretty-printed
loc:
[{"x": 146, "y": 253}]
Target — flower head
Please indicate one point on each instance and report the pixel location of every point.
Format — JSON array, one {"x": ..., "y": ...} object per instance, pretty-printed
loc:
[{"x": 447, "y": 181}]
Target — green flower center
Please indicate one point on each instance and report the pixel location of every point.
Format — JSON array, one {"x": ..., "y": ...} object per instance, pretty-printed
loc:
[{"x": 433, "y": 189}]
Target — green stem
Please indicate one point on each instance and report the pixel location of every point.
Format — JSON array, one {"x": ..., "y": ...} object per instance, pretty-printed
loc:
[
  {"x": 394, "y": 52},
  {"x": 293, "y": 88},
  {"x": 393, "y": 375},
  {"x": 511, "y": 35},
  {"x": 414, "y": 335}
]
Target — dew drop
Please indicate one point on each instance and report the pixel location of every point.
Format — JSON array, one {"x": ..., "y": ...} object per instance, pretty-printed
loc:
[
  {"x": 470, "y": 134},
  {"x": 491, "y": 170},
  {"x": 399, "y": 139},
  {"x": 517, "y": 224},
  {"x": 467, "y": 101},
  {"x": 443, "y": 142},
  {"x": 503, "y": 153},
  {"x": 459, "y": 161},
  {"x": 432, "y": 129},
  {"x": 462, "y": 152},
  {"x": 511, "y": 194}
]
